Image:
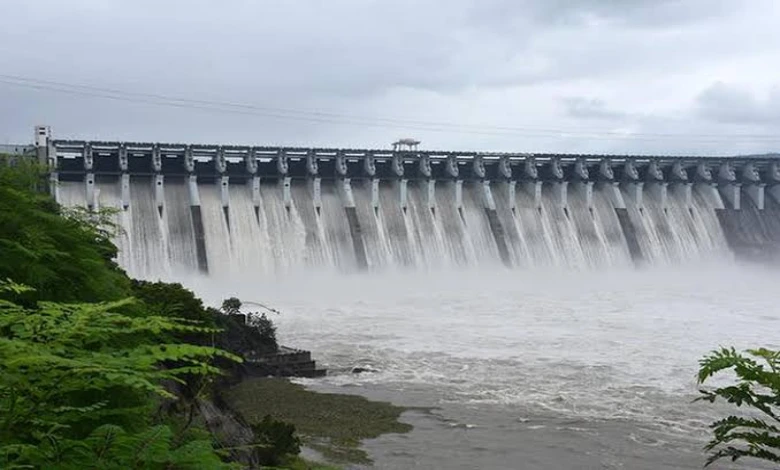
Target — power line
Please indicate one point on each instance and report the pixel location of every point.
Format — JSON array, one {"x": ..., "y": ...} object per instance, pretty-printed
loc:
[
  {"x": 335, "y": 118},
  {"x": 363, "y": 118}
]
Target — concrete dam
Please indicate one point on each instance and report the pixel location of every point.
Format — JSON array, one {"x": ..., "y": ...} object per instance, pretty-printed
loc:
[{"x": 240, "y": 210}]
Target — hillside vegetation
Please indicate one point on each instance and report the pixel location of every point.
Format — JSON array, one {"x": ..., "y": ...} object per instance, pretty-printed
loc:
[{"x": 100, "y": 371}]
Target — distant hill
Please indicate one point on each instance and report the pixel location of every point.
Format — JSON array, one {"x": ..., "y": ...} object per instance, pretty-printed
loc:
[{"x": 760, "y": 155}]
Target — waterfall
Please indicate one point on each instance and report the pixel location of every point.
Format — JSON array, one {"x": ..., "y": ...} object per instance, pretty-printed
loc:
[
  {"x": 678, "y": 233},
  {"x": 287, "y": 230},
  {"x": 178, "y": 220}
]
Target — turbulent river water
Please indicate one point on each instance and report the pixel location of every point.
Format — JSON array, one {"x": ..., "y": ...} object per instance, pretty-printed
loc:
[
  {"x": 528, "y": 369},
  {"x": 573, "y": 359}
]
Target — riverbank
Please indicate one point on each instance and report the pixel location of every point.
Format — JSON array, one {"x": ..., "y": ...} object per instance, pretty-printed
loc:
[
  {"x": 448, "y": 433},
  {"x": 334, "y": 425}
]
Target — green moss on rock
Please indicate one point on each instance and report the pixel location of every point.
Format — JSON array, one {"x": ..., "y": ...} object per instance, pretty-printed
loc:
[{"x": 333, "y": 424}]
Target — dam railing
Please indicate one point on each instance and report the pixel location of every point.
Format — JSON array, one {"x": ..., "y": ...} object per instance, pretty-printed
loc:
[{"x": 76, "y": 160}]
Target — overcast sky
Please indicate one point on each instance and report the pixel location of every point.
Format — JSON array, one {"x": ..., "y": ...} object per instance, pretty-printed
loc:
[{"x": 645, "y": 76}]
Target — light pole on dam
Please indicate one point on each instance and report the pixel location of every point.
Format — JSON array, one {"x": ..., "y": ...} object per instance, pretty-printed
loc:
[{"x": 498, "y": 178}]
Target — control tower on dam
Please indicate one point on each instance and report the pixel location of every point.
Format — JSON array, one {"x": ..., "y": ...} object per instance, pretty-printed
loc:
[{"x": 238, "y": 209}]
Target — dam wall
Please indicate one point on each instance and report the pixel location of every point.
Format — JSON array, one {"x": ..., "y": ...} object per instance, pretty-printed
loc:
[{"x": 240, "y": 210}]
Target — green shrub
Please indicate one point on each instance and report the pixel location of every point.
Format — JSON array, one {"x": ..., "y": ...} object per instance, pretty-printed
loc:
[
  {"x": 76, "y": 374},
  {"x": 244, "y": 334},
  {"x": 276, "y": 441},
  {"x": 64, "y": 258},
  {"x": 171, "y": 299},
  {"x": 757, "y": 388}
]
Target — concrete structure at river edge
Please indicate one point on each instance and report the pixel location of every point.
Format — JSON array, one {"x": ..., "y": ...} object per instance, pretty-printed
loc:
[{"x": 745, "y": 191}]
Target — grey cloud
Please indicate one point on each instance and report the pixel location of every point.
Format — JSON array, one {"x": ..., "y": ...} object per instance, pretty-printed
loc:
[
  {"x": 590, "y": 108},
  {"x": 338, "y": 47},
  {"x": 730, "y": 104},
  {"x": 641, "y": 13},
  {"x": 500, "y": 63}
]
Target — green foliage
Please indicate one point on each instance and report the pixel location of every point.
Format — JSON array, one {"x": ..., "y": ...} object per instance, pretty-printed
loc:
[
  {"x": 88, "y": 380},
  {"x": 231, "y": 306},
  {"x": 64, "y": 258},
  {"x": 22, "y": 173},
  {"x": 276, "y": 441},
  {"x": 68, "y": 369},
  {"x": 245, "y": 335},
  {"x": 758, "y": 389},
  {"x": 101, "y": 221},
  {"x": 264, "y": 333},
  {"x": 110, "y": 447},
  {"x": 171, "y": 300}
]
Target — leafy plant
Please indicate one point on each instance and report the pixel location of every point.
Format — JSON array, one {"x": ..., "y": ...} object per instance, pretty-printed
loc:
[
  {"x": 247, "y": 334},
  {"x": 231, "y": 306},
  {"x": 22, "y": 172},
  {"x": 100, "y": 221},
  {"x": 171, "y": 299},
  {"x": 276, "y": 441},
  {"x": 69, "y": 369},
  {"x": 62, "y": 258},
  {"x": 110, "y": 447},
  {"x": 758, "y": 389},
  {"x": 265, "y": 333},
  {"x": 88, "y": 380}
]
